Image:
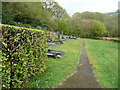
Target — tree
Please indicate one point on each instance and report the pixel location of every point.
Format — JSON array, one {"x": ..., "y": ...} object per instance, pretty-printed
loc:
[
  {"x": 87, "y": 28},
  {"x": 97, "y": 29},
  {"x": 111, "y": 23},
  {"x": 62, "y": 26},
  {"x": 7, "y": 17},
  {"x": 44, "y": 14}
]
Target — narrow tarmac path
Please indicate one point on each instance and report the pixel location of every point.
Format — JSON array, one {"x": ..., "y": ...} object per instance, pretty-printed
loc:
[{"x": 84, "y": 77}]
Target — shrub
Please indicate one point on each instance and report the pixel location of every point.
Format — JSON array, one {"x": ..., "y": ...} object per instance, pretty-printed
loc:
[{"x": 23, "y": 55}]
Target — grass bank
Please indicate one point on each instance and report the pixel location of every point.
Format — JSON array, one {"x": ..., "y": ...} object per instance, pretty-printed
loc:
[
  {"x": 104, "y": 57},
  {"x": 58, "y": 69}
]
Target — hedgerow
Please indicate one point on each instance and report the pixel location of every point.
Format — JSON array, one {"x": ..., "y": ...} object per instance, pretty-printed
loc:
[{"x": 23, "y": 55}]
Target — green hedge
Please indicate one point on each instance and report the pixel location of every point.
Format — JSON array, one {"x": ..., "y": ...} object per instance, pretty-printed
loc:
[{"x": 23, "y": 55}]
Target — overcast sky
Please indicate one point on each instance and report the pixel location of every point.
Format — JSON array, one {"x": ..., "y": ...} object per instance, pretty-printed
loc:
[{"x": 102, "y": 6}]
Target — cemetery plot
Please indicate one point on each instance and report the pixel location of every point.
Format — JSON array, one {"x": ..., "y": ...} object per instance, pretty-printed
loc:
[
  {"x": 56, "y": 38},
  {"x": 54, "y": 43},
  {"x": 54, "y": 53}
]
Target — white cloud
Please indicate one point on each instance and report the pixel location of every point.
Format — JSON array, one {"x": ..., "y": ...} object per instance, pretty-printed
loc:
[{"x": 73, "y": 6}]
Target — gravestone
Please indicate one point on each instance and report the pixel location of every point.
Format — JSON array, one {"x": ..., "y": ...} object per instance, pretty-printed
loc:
[
  {"x": 58, "y": 36},
  {"x": 54, "y": 53},
  {"x": 49, "y": 37}
]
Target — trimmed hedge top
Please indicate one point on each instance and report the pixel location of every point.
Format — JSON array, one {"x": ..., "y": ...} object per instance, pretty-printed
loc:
[
  {"x": 17, "y": 28},
  {"x": 23, "y": 55}
]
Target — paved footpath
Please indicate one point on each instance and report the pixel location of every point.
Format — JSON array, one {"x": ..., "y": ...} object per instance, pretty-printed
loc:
[{"x": 84, "y": 77}]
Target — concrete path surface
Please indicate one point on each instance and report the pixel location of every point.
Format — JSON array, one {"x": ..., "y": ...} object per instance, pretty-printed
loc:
[{"x": 84, "y": 77}]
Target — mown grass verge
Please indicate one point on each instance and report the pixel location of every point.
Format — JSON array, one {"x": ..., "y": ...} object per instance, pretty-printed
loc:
[
  {"x": 59, "y": 69},
  {"x": 104, "y": 57}
]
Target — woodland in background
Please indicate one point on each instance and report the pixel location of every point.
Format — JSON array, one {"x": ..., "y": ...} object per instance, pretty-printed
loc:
[{"x": 51, "y": 16}]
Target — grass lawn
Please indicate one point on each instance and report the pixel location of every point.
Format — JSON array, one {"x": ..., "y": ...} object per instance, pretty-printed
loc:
[
  {"x": 58, "y": 69},
  {"x": 104, "y": 57},
  {"x": 0, "y": 71}
]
